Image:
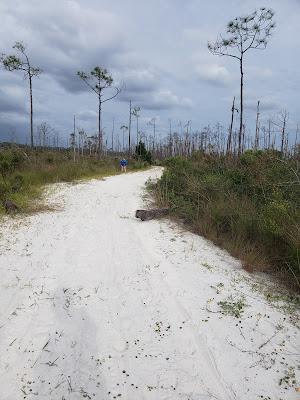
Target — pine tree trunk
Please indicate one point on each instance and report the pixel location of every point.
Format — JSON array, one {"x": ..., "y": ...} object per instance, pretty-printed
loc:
[
  {"x": 31, "y": 112},
  {"x": 241, "y": 106},
  {"x": 231, "y": 126},
  {"x": 99, "y": 127},
  {"x": 129, "y": 129},
  {"x": 256, "y": 143}
]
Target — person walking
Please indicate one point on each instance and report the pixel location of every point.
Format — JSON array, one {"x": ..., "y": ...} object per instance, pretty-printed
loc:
[{"x": 123, "y": 164}]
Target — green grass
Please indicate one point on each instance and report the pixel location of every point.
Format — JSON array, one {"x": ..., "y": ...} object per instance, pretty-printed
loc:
[
  {"x": 25, "y": 172},
  {"x": 249, "y": 206}
]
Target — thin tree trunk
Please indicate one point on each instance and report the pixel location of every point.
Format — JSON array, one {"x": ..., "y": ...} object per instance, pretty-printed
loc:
[
  {"x": 256, "y": 143},
  {"x": 153, "y": 135},
  {"x": 283, "y": 134},
  {"x": 31, "y": 112},
  {"x": 296, "y": 140},
  {"x": 100, "y": 139},
  {"x": 112, "y": 135},
  {"x": 129, "y": 129},
  {"x": 74, "y": 143},
  {"x": 231, "y": 126},
  {"x": 241, "y": 106},
  {"x": 137, "y": 131}
]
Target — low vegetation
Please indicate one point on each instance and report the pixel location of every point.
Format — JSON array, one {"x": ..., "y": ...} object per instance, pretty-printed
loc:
[
  {"x": 248, "y": 205},
  {"x": 24, "y": 172}
]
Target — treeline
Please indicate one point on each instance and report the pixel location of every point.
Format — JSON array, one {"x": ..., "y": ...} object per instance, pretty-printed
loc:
[
  {"x": 243, "y": 35},
  {"x": 272, "y": 135},
  {"x": 249, "y": 205}
]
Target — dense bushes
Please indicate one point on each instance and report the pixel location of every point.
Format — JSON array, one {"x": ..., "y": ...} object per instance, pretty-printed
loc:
[
  {"x": 250, "y": 206},
  {"x": 141, "y": 153}
]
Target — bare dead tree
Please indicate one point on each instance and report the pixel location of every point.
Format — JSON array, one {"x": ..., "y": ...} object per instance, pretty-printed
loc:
[
  {"x": 124, "y": 128},
  {"x": 245, "y": 33},
  {"x": 112, "y": 135},
  {"x": 256, "y": 142},
  {"x": 153, "y": 123},
  {"x": 136, "y": 113},
  {"x": 129, "y": 127},
  {"x": 22, "y": 63},
  {"x": 283, "y": 118},
  {"x": 233, "y": 109}
]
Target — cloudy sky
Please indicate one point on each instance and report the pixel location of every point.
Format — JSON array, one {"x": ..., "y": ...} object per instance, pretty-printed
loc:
[{"x": 157, "y": 49}]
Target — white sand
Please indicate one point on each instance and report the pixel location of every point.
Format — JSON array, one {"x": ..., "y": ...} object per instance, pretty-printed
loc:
[{"x": 95, "y": 304}]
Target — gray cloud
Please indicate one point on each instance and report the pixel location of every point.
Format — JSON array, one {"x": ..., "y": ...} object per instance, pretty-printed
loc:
[
  {"x": 87, "y": 115},
  {"x": 158, "y": 49},
  {"x": 266, "y": 104},
  {"x": 214, "y": 74}
]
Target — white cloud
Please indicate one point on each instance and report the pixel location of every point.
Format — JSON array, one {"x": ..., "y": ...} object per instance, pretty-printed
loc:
[
  {"x": 259, "y": 72},
  {"x": 87, "y": 115},
  {"x": 165, "y": 99},
  {"x": 194, "y": 34},
  {"x": 214, "y": 74}
]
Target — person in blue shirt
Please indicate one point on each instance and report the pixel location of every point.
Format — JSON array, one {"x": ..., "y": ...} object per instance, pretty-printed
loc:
[{"x": 123, "y": 164}]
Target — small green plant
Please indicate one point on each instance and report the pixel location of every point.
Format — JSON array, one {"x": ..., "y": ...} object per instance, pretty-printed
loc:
[
  {"x": 218, "y": 288},
  {"x": 289, "y": 379},
  {"x": 232, "y": 307},
  {"x": 158, "y": 326},
  {"x": 207, "y": 266}
]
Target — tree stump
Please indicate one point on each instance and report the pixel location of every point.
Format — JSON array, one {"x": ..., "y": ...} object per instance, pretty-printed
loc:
[
  {"x": 146, "y": 215},
  {"x": 10, "y": 207}
]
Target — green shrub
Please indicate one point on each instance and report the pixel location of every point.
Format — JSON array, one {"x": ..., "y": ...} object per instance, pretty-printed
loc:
[
  {"x": 248, "y": 205},
  {"x": 24, "y": 172}
]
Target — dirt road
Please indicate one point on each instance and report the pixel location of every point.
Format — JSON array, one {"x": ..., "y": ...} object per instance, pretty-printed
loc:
[{"x": 95, "y": 304}]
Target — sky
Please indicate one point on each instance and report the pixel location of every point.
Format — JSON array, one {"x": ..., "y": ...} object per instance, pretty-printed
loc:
[{"x": 157, "y": 51}]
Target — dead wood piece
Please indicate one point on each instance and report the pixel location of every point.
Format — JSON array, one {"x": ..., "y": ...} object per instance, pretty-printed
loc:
[
  {"x": 10, "y": 207},
  {"x": 146, "y": 215}
]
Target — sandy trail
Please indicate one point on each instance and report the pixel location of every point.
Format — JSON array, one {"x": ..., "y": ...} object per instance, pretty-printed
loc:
[{"x": 95, "y": 304}]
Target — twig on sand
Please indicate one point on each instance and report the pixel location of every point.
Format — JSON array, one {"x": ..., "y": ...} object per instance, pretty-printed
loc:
[
  {"x": 242, "y": 333},
  {"x": 52, "y": 363},
  {"x": 241, "y": 350},
  {"x": 69, "y": 383},
  {"x": 35, "y": 362},
  {"x": 45, "y": 345},
  {"x": 10, "y": 344},
  {"x": 58, "y": 384},
  {"x": 267, "y": 341},
  {"x": 209, "y": 310}
]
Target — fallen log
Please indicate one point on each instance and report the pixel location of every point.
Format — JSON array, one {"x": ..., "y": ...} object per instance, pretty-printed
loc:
[{"x": 146, "y": 215}]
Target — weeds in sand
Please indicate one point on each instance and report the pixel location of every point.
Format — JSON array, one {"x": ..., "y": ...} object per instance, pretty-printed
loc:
[
  {"x": 207, "y": 266},
  {"x": 218, "y": 288},
  {"x": 289, "y": 379},
  {"x": 232, "y": 307}
]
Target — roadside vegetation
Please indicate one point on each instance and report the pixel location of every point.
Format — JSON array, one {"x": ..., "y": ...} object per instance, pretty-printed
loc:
[
  {"x": 248, "y": 205},
  {"x": 236, "y": 185},
  {"x": 24, "y": 172}
]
